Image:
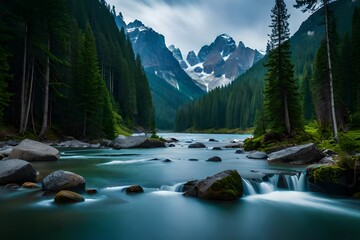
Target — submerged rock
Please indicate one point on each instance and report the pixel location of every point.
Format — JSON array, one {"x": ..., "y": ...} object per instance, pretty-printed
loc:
[
  {"x": 31, "y": 151},
  {"x": 302, "y": 154},
  {"x": 167, "y": 161},
  {"x": 257, "y": 155},
  {"x": 214, "y": 159},
  {"x": 16, "y": 171},
  {"x": 226, "y": 186},
  {"x": 239, "y": 151},
  {"x": 91, "y": 191},
  {"x": 213, "y": 140},
  {"x": 67, "y": 197},
  {"x": 217, "y": 148},
  {"x": 134, "y": 189},
  {"x": 197, "y": 145},
  {"x": 63, "y": 180}
]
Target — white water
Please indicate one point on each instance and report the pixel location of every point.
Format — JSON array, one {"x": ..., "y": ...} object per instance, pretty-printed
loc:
[{"x": 293, "y": 182}]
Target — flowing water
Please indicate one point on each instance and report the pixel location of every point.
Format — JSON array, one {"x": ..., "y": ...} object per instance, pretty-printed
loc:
[{"x": 274, "y": 207}]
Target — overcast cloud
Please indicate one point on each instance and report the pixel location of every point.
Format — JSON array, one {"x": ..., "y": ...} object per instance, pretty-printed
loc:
[{"x": 190, "y": 24}]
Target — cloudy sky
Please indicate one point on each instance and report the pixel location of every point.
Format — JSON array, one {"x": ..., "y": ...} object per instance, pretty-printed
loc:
[{"x": 190, "y": 24}]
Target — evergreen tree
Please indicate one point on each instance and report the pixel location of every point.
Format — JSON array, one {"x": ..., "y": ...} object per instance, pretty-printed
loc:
[
  {"x": 355, "y": 42},
  {"x": 311, "y": 5},
  {"x": 307, "y": 101},
  {"x": 4, "y": 67},
  {"x": 282, "y": 104}
]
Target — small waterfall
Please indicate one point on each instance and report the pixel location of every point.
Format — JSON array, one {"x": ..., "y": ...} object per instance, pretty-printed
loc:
[
  {"x": 292, "y": 182},
  {"x": 248, "y": 188},
  {"x": 174, "y": 188}
]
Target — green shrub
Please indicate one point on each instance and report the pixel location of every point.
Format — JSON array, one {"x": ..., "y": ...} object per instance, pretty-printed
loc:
[{"x": 348, "y": 144}]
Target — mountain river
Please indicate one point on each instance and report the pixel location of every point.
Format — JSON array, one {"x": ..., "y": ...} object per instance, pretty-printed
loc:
[{"x": 162, "y": 212}]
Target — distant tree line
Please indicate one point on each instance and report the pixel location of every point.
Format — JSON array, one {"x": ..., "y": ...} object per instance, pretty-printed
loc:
[
  {"x": 242, "y": 104},
  {"x": 64, "y": 64}
]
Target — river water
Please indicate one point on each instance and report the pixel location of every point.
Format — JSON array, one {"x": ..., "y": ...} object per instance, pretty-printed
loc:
[{"x": 162, "y": 213}]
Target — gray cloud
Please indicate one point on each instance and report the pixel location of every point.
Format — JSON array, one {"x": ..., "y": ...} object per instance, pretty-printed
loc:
[{"x": 190, "y": 24}]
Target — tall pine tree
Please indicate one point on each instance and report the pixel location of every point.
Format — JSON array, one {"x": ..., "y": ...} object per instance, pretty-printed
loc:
[
  {"x": 312, "y": 5},
  {"x": 355, "y": 40},
  {"x": 282, "y": 103}
]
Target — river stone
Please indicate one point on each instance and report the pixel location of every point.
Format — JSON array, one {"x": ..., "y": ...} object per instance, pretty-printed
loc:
[
  {"x": 16, "y": 171},
  {"x": 239, "y": 151},
  {"x": 226, "y": 186},
  {"x": 128, "y": 142},
  {"x": 257, "y": 155},
  {"x": 63, "y": 180},
  {"x": 217, "y": 148},
  {"x": 29, "y": 185},
  {"x": 302, "y": 154},
  {"x": 197, "y": 145},
  {"x": 214, "y": 159},
  {"x": 66, "y": 197},
  {"x": 6, "y": 151},
  {"x": 30, "y": 150},
  {"x": 134, "y": 189}
]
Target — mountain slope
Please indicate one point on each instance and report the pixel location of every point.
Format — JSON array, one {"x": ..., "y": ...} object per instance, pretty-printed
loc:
[
  {"x": 162, "y": 69},
  {"x": 243, "y": 97}
]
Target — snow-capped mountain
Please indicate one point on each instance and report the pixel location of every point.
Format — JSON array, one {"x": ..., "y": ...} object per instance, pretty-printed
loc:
[{"x": 219, "y": 63}]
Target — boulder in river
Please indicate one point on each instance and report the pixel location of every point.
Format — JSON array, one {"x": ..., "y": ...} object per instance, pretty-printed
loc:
[
  {"x": 31, "y": 151},
  {"x": 226, "y": 186},
  {"x": 217, "y": 148},
  {"x": 197, "y": 145},
  {"x": 128, "y": 142},
  {"x": 16, "y": 171},
  {"x": 67, "y": 197},
  {"x": 74, "y": 144},
  {"x": 152, "y": 143},
  {"x": 302, "y": 154},
  {"x": 214, "y": 159},
  {"x": 134, "y": 189},
  {"x": 63, "y": 180},
  {"x": 239, "y": 151},
  {"x": 257, "y": 155}
]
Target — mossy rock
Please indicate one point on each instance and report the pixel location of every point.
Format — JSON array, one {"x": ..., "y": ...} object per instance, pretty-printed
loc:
[
  {"x": 327, "y": 174},
  {"x": 224, "y": 186}
]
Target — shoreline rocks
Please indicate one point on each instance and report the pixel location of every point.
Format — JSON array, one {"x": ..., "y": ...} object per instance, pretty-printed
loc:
[
  {"x": 257, "y": 155},
  {"x": 297, "y": 155},
  {"x": 31, "y": 151},
  {"x": 16, "y": 171}
]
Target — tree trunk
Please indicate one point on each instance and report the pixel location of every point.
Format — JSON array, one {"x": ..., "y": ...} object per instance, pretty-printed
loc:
[
  {"x": 29, "y": 101},
  {"x": 332, "y": 101},
  {"x": 287, "y": 118},
  {"x": 22, "y": 103},
  {"x": 46, "y": 95}
]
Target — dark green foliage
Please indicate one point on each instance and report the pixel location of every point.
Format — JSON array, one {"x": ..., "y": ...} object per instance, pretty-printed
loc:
[
  {"x": 4, "y": 67},
  {"x": 355, "y": 44},
  {"x": 282, "y": 103},
  {"x": 88, "y": 64},
  {"x": 307, "y": 101}
]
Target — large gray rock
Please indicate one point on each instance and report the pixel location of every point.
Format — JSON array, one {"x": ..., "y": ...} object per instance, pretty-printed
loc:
[
  {"x": 302, "y": 154},
  {"x": 127, "y": 142},
  {"x": 226, "y": 186},
  {"x": 63, "y": 180},
  {"x": 31, "y": 151},
  {"x": 257, "y": 155},
  {"x": 16, "y": 171}
]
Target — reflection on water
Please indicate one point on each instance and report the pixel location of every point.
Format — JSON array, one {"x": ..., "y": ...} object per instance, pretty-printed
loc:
[{"x": 161, "y": 212}]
